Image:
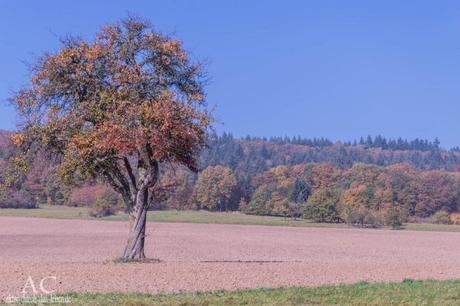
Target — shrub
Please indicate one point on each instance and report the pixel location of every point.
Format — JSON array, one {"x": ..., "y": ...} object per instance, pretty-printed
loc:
[
  {"x": 102, "y": 208},
  {"x": 371, "y": 219},
  {"x": 17, "y": 199},
  {"x": 441, "y": 217},
  {"x": 455, "y": 218},
  {"x": 107, "y": 203},
  {"x": 361, "y": 217},
  {"x": 393, "y": 219},
  {"x": 86, "y": 195},
  {"x": 295, "y": 210}
]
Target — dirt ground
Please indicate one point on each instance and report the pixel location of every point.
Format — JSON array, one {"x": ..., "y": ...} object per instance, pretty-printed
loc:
[{"x": 196, "y": 257}]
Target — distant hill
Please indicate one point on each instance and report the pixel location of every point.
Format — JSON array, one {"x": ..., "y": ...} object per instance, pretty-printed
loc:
[{"x": 253, "y": 155}]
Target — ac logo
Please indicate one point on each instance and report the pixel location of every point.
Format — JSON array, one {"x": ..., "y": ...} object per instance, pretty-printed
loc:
[{"x": 43, "y": 285}]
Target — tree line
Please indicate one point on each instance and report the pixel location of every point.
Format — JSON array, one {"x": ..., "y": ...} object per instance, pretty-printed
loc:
[
  {"x": 378, "y": 141},
  {"x": 268, "y": 178},
  {"x": 363, "y": 194}
]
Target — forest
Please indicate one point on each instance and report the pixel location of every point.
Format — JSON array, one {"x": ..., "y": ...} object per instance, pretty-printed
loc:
[{"x": 367, "y": 182}]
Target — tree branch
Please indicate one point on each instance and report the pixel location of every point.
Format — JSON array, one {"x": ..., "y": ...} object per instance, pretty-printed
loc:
[
  {"x": 129, "y": 170},
  {"x": 118, "y": 187}
]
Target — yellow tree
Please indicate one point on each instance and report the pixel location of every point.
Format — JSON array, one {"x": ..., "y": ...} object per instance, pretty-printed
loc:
[{"x": 214, "y": 188}]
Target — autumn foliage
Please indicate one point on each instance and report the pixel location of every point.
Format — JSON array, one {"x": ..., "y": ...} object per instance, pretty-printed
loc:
[{"x": 116, "y": 109}]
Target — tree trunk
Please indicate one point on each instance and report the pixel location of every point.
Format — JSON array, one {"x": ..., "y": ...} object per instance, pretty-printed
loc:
[
  {"x": 137, "y": 218},
  {"x": 139, "y": 200}
]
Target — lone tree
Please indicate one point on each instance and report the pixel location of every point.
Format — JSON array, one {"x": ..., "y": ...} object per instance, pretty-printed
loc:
[{"x": 115, "y": 109}]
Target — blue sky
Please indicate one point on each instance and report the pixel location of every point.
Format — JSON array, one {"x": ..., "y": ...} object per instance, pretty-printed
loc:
[{"x": 338, "y": 69}]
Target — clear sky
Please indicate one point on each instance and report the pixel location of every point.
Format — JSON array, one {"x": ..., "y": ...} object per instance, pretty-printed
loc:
[{"x": 338, "y": 69}]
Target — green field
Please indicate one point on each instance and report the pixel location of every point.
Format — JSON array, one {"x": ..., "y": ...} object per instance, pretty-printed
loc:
[
  {"x": 63, "y": 212},
  {"x": 408, "y": 292}
]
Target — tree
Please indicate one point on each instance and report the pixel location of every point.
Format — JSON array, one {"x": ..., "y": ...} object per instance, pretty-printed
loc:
[
  {"x": 393, "y": 218},
  {"x": 299, "y": 191},
  {"x": 105, "y": 204},
  {"x": 214, "y": 188},
  {"x": 442, "y": 217},
  {"x": 321, "y": 175},
  {"x": 278, "y": 204},
  {"x": 360, "y": 216},
  {"x": 322, "y": 206},
  {"x": 359, "y": 196},
  {"x": 259, "y": 200},
  {"x": 56, "y": 193},
  {"x": 437, "y": 190},
  {"x": 116, "y": 109}
]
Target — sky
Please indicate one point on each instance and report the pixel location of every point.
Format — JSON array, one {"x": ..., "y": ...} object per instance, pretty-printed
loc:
[{"x": 336, "y": 69}]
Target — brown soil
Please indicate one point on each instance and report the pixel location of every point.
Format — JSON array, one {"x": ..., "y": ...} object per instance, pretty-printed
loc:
[{"x": 207, "y": 257}]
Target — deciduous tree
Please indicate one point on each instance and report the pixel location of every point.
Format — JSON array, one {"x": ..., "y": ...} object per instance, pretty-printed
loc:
[
  {"x": 322, "y": 206},
  {"x": 116, "y": 108},
  {"x": 214, "y": 188}
]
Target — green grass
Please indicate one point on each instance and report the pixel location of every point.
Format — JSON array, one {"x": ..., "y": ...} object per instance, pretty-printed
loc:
[
  {"x": 431, "y": 227},
  {"x": 48, "y": 211},
  {"x": 64, "y": 212},
  {"x": 231, "y": 218},
  {"x": 408, "y": 292}
]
